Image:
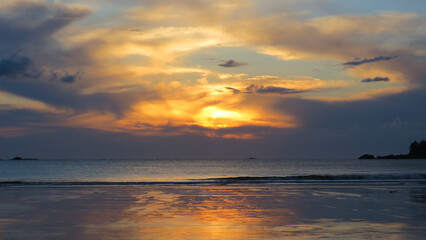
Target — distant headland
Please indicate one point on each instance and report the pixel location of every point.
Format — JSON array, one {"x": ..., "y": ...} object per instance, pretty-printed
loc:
[{"x": 417, "y": 151}]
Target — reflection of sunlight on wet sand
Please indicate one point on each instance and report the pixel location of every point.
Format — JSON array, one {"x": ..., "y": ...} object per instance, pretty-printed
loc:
[
  {"x": 210, "y": 212},
  {"x": 239, "y": 213},
  {"x": 243, "y": 213}
]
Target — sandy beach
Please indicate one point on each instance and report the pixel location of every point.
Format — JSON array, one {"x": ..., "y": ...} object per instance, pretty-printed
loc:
[{"x": 213, "y": 212}]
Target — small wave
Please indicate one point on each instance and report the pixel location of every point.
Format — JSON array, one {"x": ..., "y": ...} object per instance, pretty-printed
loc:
[
  {"x": 239, "y": 180},
  {"x": 95, "y": 183},
  {"x": 324, "y": 178}
]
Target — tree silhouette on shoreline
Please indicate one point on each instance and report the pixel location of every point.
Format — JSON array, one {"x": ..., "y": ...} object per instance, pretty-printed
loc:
[{"x": 418, "y": 149}]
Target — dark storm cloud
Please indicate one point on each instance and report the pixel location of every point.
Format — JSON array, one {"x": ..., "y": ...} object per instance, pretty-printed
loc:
[
  {"x": 18, "y": 66},
  {"x": 65, "y": 77},
  {"x": 376, "y": 79},
  {"x": 37, "y": 66},
  {"x": 62, "y": 96},
  {"x": 260, "y": 89},
  {"x": 232, "y": 63},
  {"x": 368, "y": 60},
  {"x": 21, "y": 67},
  {"x": 32, "y": 22},
  {"x": 70, "y": 78}
]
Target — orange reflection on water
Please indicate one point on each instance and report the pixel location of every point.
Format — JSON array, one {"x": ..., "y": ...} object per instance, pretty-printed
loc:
[{"x": 207, "y": 213}]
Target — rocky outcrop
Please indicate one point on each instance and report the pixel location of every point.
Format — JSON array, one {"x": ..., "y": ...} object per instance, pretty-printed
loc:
[{"x": 417, "y": 151}]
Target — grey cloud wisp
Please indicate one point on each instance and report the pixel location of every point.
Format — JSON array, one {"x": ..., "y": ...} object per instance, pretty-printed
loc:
[
  {"x": 369, "y": 60},
  {"x": 260, "y": 89},
  {"x": 376, "y": 79},
  {"x": 232, "y": 63}
]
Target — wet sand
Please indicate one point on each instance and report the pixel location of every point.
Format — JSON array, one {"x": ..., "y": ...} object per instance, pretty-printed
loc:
[{"x": 213, "y": 212}]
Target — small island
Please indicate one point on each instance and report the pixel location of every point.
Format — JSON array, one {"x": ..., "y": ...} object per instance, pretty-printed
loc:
[
  {"x": 417, "y": 151},
  {"x": 21, "y": 158}
]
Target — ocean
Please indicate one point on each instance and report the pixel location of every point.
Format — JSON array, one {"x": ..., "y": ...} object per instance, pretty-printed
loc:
[
  {"x": 213, "y": 171},
  {"x": 236, "y": 199}
]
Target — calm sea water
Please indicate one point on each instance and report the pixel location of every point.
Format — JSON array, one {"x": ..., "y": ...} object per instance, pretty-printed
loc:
[{"x": 146, "y": 171}]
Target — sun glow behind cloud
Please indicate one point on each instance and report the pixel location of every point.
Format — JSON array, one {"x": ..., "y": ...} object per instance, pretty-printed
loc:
[{"x": 214, "y": 117}]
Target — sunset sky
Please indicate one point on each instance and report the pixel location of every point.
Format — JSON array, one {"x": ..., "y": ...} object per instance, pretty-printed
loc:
[{"x": 211, "y": 79}]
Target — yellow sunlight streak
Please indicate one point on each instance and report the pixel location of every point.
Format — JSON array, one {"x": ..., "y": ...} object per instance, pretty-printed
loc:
[{"x": 214, "y": 117}]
